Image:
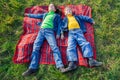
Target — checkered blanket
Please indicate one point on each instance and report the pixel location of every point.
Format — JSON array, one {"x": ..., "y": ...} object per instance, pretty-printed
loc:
[{"x": 30, "y": 30}]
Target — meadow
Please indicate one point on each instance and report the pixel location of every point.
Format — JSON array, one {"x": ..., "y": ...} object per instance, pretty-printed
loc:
[{"x": 106, "y": 14}]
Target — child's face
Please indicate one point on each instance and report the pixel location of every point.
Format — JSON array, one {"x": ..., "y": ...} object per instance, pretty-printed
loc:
[
  {"x": 68, "y": 11},
  {"x": 51, "y": 7}
]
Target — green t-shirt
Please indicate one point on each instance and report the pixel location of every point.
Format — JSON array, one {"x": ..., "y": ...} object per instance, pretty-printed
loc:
[{"x": 48, "y": 21}]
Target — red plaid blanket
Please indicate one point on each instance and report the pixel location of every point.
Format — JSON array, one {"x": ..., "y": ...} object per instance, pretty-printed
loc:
[{"x": 30, "y": 29}]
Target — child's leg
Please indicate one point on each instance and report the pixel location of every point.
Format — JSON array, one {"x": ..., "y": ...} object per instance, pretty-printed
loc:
[
  {"x": 87, "y": 49},
  {"x": 36, "y": 50},
  {"x": 71, "y": 49},
  {"x": 35, "y": 55},
  {"x": 50, "y": 37},
  {"x": 71, "y": 52},
  {"x": 85, "y": 45}
]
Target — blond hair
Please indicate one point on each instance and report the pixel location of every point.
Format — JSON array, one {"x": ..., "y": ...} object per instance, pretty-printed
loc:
[{"x": 67, "y": 8}]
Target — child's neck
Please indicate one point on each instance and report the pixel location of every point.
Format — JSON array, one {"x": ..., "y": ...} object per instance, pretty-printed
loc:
[{"x": 69, "y": 14}]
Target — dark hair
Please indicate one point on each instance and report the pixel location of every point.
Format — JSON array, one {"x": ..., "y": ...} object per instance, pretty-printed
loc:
[{"x": 58, "y": 11}]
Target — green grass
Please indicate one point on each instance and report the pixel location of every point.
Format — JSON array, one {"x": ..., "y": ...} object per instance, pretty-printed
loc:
[{"x": 106, "y": 14}]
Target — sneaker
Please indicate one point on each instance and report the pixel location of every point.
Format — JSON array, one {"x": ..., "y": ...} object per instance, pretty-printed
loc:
[
  {"x": 71, "y": 66},
  {"x": 93, "y": 62},
  {"x": 62, "y": 69},
  {"x": 29, "y": 72}
]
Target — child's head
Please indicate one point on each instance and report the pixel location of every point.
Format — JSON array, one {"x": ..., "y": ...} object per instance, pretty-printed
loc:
[
  {"x": 51, "y": 7},
  {"x": 67, "y": 10},
  {"x": 54, "y": 8}
]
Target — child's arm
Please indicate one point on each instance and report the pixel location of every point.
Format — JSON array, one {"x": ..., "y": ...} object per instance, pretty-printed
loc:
[
  {"x": 87, "y": 19},
  {"x": 59, "y": 22},
  {"x": 39, "y": 16},
  {"x": 62, "y": 26}
]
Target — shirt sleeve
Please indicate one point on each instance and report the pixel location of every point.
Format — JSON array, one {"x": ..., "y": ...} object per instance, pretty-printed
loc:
[
  {"x": 59, "y": 21},
  {"x": 38, "y": 16},
  {"x": 86, "y": 18},
  {"x": 62, "y": 26}
]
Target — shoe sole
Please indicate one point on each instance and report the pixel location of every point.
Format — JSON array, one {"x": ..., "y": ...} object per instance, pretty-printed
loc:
[
  {"x": 32, "y": 74},
  {"x": 71, "y": 69},
  {"x": 95, "y": 65}
]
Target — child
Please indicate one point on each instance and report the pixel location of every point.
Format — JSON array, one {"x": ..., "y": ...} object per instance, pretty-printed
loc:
[
  {"x": 50, "y": 23},
  {"x": 76, "y": 27}
]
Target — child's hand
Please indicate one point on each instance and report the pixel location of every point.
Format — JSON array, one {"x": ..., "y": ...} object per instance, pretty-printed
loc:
[
  {"x": 57, "y": 36},
  {"x": 62, "y": 36},
  {"x": 93, "y": 23},
  {"x": 26, "y": 14}
]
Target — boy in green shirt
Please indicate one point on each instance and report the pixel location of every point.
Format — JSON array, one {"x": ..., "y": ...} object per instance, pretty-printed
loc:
[{"x": 50, "y": 22}]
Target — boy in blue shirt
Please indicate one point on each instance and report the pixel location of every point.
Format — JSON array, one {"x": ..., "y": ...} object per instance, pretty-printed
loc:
[{"x": 76, "y": 28}]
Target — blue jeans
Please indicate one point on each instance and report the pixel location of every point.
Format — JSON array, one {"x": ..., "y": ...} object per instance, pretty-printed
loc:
[
  {"x": 76, "y": 36},
  {"x": 43, "y": 34}
]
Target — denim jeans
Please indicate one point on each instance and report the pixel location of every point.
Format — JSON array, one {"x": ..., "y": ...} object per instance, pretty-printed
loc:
[
  {"x": 47, "y": 34},
  {"x": 76, "y": 36}
]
